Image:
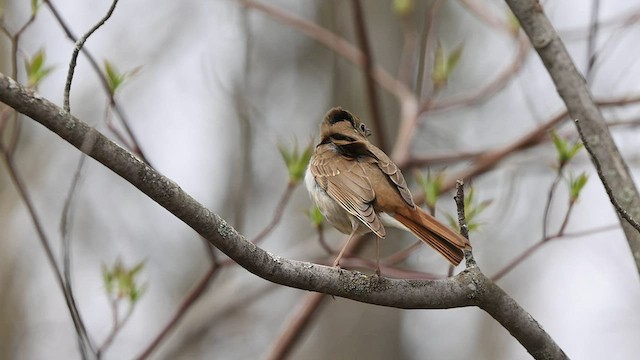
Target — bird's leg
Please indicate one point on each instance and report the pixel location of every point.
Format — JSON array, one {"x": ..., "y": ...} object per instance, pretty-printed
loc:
[
  {"x": 336, "y": 262},
  {"x": 378, "y": 272}
]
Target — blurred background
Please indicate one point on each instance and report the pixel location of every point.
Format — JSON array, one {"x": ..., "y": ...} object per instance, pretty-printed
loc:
[{"x": 212, "y": 88}]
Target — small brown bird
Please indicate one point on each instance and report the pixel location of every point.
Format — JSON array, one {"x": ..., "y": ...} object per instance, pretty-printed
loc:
[{"x": 360, "y": 190}]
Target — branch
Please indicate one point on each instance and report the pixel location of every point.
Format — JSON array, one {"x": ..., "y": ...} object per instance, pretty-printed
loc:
[
  {"x": 572, "y": 88},
  {"x": 468, "y": 288},
  {"x": 367, "y": 67}
]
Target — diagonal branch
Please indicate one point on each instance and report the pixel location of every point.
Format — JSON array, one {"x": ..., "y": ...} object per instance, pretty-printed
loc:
[
  {"x": 469, "y": 288},
  {"x": 573, "y": 90}
]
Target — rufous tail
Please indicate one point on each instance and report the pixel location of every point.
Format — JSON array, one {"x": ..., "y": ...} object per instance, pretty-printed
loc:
[{"x": 447, "y": 242}]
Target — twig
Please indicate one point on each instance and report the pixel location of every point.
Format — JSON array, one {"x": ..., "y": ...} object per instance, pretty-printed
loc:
[
  {"x": 296, "y": 326},
  {"x": 535, "y": 247},
  {"x": 78, "y": 46},
  {"x": 83, "y": 338},
  {"x": 462, "y": 222},
  {"x": 186, "y": 304},
  {"x": 135, "y": 147},
  {"x": 370, "y": 87},
  {"x": 591, "y": 41},
  {"x": 277, "y": 214},
  {"x": 547, "y": 208},
  {"x": 15, "y": 39}
]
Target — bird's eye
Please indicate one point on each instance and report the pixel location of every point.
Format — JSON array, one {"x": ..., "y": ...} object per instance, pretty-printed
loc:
[{"x": 363, "y": 127}]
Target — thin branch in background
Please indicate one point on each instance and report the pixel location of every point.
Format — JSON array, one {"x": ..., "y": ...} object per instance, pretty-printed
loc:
[
  {"x": 66, "y": 213},
  {"x": 592, "y": 41},
  {"x": 15, "y": 39},
  {"x": 422, "y": 75},
  {"x": 76, "y": 51},
  {"x": 135, "y": 146},
  {"x": 410, "y": 48},
  {"x": 240, "y": 198},
  {"x": 487, "y": 91},
  {"x": 547, "y": 207},
  {"x": 482, "y": 12},
  {"x": 295, "y": 326},
  {"x": 535, "y": 247},
  {"x": 190, "y": 299},
  {"x": 404, "y": 95},
  {"x": 84, "y": 341},
  {"x": 370, "y": 85},
  {"x": 115, "y": 328},
  {"x": 277, "y": 214},
  {"x": 65, "y": 232}
]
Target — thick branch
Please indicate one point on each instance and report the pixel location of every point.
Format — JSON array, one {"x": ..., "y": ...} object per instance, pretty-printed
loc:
[
  {"x": 594, "y": 132},
  {"x": 468, "y": 288}
]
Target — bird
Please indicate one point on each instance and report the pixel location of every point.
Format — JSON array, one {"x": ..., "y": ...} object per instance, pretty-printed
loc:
[{"x": 359, "y": 190}]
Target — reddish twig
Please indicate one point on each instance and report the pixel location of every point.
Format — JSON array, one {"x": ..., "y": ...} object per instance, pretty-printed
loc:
[
  {"x": 367, "y": 67},
  {"x": 190, "y": 299}
]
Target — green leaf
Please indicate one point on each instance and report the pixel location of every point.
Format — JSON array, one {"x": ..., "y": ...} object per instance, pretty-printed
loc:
[
  {"x": 444, "y": 65},
  {"x": 566, "y": 151},
  {"x": 114, "y": 77},
  {"x": 454, "y": 59},
  {"x": 431, "y": 186},
  {"x": 576, "y": 184},
  {"x": 403, "y": 7},
  {"x": 316, "y": 217},
  {"x": 121, "y": 282},
  {"x": 295, "y": 161},
  {"x": 36, "y": 69},
  {"x": 35, "y": 6}
]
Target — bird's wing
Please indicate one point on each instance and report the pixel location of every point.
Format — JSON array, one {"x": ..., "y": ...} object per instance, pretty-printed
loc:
[
  {"x": 345, "y": 180},
  {"x": 391, "y": 170}
]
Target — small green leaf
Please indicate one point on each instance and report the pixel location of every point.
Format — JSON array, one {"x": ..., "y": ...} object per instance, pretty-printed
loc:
[
  {"x": 403, "y": 7},
  {"x": 36, "y": 69},
  {"x": 444, "y": 65},
  {"x": 295, "y": 161},
  {"x": 566, "y": 151},
  {"x": 35, "y": 6},
  {"x": 316, "y": 217},
  {"x": 114, "y": 78},
  {"x": 431, "y": 187},
  {"x": 121, "y": 282},
  {"x": 576, "y": 184},
  {"x": 454, "y": 59}
]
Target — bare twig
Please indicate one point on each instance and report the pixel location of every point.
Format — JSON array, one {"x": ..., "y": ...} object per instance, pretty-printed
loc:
[
  {"x": 295, "y": 326},
  {"x": 367, "y": 67},
  {"x": 78, "y": 46},
  {"x": 186, "y": 304},
  {"x": 277, "y": 214},
  {"x": 135, "y": 146},
  {"x": 591, "y": 40},
  {"x": 83, "y": 338},
  {"x": 462, "y": 222},
  {"x": 547, "y": 207}
]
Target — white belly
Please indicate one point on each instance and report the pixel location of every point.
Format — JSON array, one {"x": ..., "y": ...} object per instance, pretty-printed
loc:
[{"x": 330, "y": 209}]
